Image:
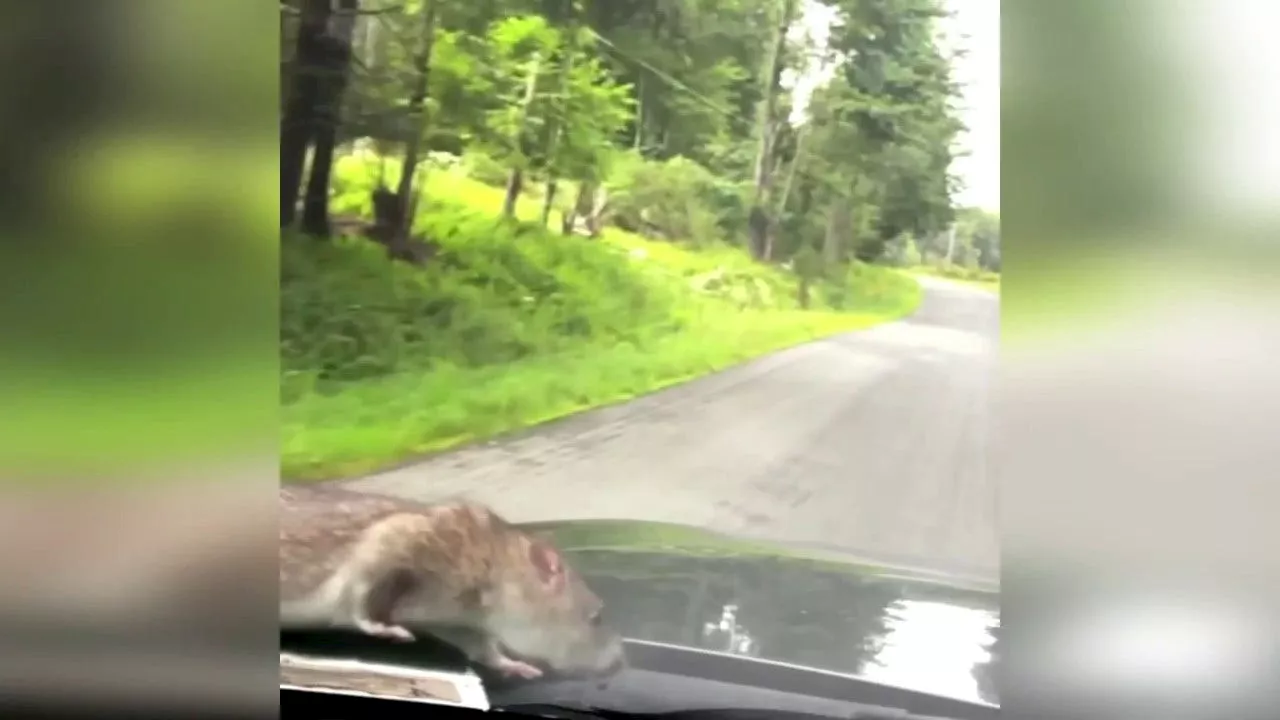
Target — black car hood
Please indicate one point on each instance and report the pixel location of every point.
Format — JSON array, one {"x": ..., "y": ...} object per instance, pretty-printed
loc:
[{"x": 803, "y": 606}]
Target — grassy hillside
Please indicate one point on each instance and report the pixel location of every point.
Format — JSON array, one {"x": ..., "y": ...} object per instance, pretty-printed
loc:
[{"x": 511, "y": 325}]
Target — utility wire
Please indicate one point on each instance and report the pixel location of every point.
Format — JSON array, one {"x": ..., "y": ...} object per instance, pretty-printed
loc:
[
  {"x": 803, "y": 172},
  {"x": 708, "y": 102},
  {"x": 669, "y": 79}
]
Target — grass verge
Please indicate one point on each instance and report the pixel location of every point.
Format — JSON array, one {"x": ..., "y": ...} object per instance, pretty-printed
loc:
[
  {"x": 511, "y": 326},
  {"x": 981, "y": 279}
]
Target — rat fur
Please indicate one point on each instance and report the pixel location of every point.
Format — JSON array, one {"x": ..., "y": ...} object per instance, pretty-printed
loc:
[{"x": 390, "y": 568}]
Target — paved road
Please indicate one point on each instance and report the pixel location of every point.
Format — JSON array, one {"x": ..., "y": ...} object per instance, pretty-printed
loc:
[{"x": 876, "y": 442}]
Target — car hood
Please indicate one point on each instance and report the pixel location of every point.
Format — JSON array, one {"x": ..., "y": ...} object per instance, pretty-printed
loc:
[{"x": 799, "y": 605}]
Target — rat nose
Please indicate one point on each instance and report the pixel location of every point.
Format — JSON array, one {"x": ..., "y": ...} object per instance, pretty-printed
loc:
[
  {"x": 610, "y": 672},
  {"x": 615, "y": 665}
]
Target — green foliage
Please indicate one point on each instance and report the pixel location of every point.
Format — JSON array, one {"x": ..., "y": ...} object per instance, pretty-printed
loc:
[
  {"x": 964, "y": 253},
  {"x": 902, "y": 252},
  {"x": 968, "y": 274},
  {"x": 910, "y": 253},
  {"x": 673, "y": 199},
  {"x": 589, "y": 109},
  {"x": 551, "y": 105},
  {"x": 683, "y": 81},
  {"x": 859, "y": 287},
  {"x": 808, "y": 263},
  {"x": 886, "y": 122},
  {"x": 485, "y": 169},
  {"x": 694, "y": 69},
  {"x": 496, "y": 292},
  {"x": 509, "y": 325},
  {"x": 981, "y": 232}
]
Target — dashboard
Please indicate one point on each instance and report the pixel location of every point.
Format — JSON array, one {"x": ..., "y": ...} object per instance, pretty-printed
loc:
[{"x": 661, "y": 681}]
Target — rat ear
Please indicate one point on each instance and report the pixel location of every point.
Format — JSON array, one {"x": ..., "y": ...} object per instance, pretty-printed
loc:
[{"x": 547, "y": 561}]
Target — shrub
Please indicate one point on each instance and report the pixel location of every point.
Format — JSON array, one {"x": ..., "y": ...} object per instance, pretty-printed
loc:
[
  {"x": 675, "y": 200},
  {"x": 497, "y": 291},
  {"x": 485, "y": 169},
  {"x": 910, "y": 253}
]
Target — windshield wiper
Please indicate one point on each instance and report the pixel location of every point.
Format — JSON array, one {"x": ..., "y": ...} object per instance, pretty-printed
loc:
[{"x": 564, "y": 712}]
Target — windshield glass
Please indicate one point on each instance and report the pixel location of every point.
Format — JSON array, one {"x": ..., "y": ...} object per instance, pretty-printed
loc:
[{"x": 696, "y": 301}]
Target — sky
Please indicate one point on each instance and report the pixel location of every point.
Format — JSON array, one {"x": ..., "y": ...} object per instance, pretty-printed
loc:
[
  {"x": 977, "y": 23},
  {"x": 975, "y": 27}
]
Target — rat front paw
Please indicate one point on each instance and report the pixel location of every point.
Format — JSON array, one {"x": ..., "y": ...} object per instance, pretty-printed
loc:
[
  {"x": 515, "y": 668},
  {"x": 387, "y": 632}
]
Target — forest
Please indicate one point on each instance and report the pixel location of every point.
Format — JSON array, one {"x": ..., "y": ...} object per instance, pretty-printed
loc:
[{"x": 498, "y": 212}]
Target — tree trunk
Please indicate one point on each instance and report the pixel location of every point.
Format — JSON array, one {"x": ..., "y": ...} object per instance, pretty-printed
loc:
[
  {"x": 838, "y": 222},
  {"x": 372, "y": 45},
  {"x": 515, "y": 185},
  {"x": 581, "y": 208},
  {"x": 829, "y": 243},
  {"x": 760, "y": 220},
  {"x": 418, "y": 120},
  {"x": 315, "y": 202},
  {"x": 775, "y": 220},
  {"x": 566, "y": 69},
  {"x": 336, "y": 63},
  {"x": 570, "y": 218},
  {"x": 599, "y": 197},
  {"x": 549, "y": 201},
  {"x": 515, "y": 182},
  {"x": 770, "y": 238},
  {"x": 791, "y": 172},
  {"x": 639, "y": 137},
  {"x": 297, "y": 123}
]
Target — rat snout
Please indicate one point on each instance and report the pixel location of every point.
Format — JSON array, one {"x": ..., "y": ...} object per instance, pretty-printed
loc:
[
  {"x": 602, "y": 682},
  {"x": 600, "y": 657},
  {"x": 615, "y": 666},
  {"x": 613, "y": 659}
]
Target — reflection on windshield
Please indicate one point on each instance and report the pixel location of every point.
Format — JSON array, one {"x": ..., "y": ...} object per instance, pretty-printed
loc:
[
  {"x": 934, "y": 647},
  {"x": 729, "y": 634},
  {"x": 840, "y": 618}
]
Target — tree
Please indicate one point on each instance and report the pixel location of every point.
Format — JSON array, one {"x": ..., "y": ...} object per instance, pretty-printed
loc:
[
  {"x": 303, "y": 98},
  {"x": 416, "y": 126},
  {"x": 767, "y": 131},
  {"x": 980, "y": 230},
  {"x": 557, "y": 91},
  {"x": 335, "y": 60},
  {"x": 900, "y": 104},
  {"x": 552, "y": 106}
]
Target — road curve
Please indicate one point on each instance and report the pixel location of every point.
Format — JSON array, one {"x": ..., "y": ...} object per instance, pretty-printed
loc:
[{"x": 876, "y": 442}]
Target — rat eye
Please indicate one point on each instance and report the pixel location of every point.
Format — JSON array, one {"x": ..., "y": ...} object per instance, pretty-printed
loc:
[{"x": 595, "y": 618}]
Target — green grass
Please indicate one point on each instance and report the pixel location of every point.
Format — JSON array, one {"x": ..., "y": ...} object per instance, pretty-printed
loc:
[
  {"x": 981, "y": 279},
  {"x": 511, "y": 325}
]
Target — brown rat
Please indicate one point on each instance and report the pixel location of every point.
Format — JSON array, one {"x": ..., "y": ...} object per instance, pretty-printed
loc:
[{"x": 390, "y": 568}]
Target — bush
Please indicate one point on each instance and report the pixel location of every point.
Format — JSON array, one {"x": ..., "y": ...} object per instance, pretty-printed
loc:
[
  {"x": 903, "y": 252},
  {"x": 497, "y": 291},
  {"x": 510, "y": 324},
  {"x": 356, "y": 174},
  {"x": 674, "y": 200},
  {"x": 963, "y": 272},
  {"x": 910, "y": 253},
  {"x": 485, "y": 169}
]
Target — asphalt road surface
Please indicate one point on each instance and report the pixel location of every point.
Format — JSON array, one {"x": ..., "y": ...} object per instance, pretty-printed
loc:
[{"x": 876, "y": 442}]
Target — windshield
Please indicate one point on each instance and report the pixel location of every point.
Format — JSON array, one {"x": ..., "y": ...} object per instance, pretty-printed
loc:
[{"x": 697, "y": 299}]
